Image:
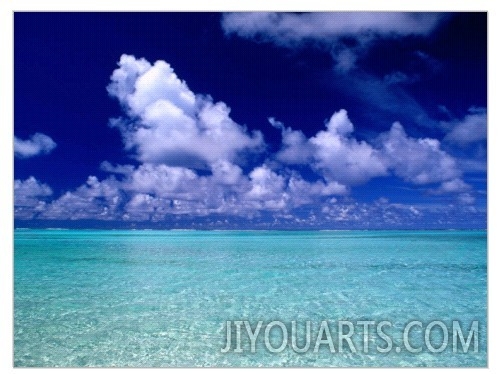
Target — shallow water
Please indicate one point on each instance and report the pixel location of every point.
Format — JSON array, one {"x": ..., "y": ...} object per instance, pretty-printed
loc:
[{"x": 162, "y": 298}]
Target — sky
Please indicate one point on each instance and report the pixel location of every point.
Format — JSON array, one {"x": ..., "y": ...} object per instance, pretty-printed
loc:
[{"x": 327, "y": 120}]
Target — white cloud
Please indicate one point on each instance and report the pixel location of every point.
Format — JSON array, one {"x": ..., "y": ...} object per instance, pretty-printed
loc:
[
  {"x": 471, "y": 129},
  {"x": 263, "y": 190},
  {"x": 174, "y": 132},
  {"x": 295, "y": 146},
  {"x": 152, "y": 192},
  {"x": 419, "y": 161},
  {"x": 225, "y": 172},
  {"x": 118, "y": 169},
  {"x": 170, "y": 124},
  {"x": 92, "y": 200},
  {"x": 162, "y": 180},
  {"x": 37, "y": 144},
  {"x": 342, "y": 158},
  {"x": 466, "y": 198},
  {"x": 304, "y": 191},
  {"x": 327, "y": 29},
  {"x": 29, "y": 197},
  {"x": 457, "y": 187},
  {"x": 30, "y": 188},
  {"x": 333, "y": 152},
  {"x": 387, "y": 212},
  {"x": 292, "y": 28},
  {"x": 269, "y": 190},
  {"x": 144, "y": 207},
  {"x": 155, "y": 191},
  {"x": 266, "y": 184},
  {"x": 453, "y": 186}
]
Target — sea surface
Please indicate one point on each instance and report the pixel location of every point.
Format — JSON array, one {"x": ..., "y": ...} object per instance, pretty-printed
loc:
[{"x": 166, "y": 298}]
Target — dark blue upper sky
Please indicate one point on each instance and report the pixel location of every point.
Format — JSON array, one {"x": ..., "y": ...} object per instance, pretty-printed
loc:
[{"x": 306, "y": 120}]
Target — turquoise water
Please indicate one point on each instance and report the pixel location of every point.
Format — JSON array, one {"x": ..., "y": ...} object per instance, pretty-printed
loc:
[{"x": 162, "y": 298}]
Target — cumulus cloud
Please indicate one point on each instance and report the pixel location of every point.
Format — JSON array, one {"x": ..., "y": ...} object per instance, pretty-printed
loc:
[
  {"x": 458, "y": 188},
  {"x": 340, "y": 157},
  {"x": 36, "y": 145},
  {"x": 472, "y": 128},
  {"x": 173, "y": 132},
  {"x": 29, "y": 188},
  {"x": 224, "y": 172},
  {"x": 419, "y": 161},
  {"x": 168, "y": 123},
  {"x": 162, "y": 180},
  {"x": 295, "y": 146},
  {"x": 93, "y": 200},
  {"x": 154, "y": 192},
  {"x": 301, "y": 189},
  {"x": 30, "y": 197},
  {"x": 181, "y": 193}
]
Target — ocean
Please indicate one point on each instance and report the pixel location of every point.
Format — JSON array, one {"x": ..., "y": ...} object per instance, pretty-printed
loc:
[{"x": 91, "y": 298}]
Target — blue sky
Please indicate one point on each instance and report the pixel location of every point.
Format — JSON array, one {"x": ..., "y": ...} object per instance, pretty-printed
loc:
[{"x": 250, "y": 120}]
